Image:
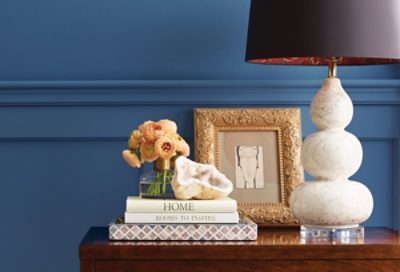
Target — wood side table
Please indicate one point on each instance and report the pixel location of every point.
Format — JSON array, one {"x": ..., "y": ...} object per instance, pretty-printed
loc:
[{"x": 278, "y": 249}]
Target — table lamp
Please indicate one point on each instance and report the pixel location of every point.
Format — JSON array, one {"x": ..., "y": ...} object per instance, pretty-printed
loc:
[{"x": 332, "y": 33}]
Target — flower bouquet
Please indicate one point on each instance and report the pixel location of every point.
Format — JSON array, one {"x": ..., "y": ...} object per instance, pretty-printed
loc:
[{"x": 160, "y": 143}]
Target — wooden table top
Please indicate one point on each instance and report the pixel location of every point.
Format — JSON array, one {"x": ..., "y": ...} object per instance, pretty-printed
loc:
[{"x": 272, "y": 243}]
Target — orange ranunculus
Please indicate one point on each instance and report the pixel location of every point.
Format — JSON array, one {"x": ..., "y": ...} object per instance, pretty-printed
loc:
[
  {"x": 168, "y": 126},
  {"x": 131, "y": 158},
  {"x": 182, "y": 147},
  {"x": 135, "y": 139},
  {"x": 151, "y": 131},
  {"x": 165, "y": 147},
  {"x": 148, "y": 152}
]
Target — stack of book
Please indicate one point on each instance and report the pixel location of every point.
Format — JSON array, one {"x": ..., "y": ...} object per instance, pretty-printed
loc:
[{"x": 159, "y": 219}]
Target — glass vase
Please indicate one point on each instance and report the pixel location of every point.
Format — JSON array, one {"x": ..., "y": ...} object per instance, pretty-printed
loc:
[{"x": 156, "y": 183}]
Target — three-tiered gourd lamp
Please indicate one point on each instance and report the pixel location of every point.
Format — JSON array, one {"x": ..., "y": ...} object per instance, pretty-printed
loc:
[{"x": 327, "y": 32}]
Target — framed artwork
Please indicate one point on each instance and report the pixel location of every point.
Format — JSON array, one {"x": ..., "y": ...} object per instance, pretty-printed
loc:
[{"x": 258, "y": 149}]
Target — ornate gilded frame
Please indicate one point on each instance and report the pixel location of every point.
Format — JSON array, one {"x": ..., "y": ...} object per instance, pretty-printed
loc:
[{"x": 286, "y": 122}]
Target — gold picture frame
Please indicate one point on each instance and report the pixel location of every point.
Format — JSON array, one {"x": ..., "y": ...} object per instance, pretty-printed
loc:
[{"x": 282, "y": 126}]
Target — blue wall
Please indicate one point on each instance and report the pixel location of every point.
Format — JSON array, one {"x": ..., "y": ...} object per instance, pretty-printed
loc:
[{"x": 77, "y": 76}]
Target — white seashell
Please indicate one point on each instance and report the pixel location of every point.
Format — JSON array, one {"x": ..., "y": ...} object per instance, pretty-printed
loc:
[{"x": 199, "y": 181}]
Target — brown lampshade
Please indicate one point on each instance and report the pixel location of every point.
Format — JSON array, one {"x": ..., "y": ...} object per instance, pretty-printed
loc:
[{"x": 307, "y": 32}]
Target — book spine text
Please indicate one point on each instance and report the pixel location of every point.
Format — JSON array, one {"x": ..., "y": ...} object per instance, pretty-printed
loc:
[
  {"x": 171, "y": 218},
  {"x": 174, "y": 206}
]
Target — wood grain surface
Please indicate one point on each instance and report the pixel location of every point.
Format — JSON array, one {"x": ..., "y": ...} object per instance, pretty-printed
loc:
[{"x": 276, "y": 249}]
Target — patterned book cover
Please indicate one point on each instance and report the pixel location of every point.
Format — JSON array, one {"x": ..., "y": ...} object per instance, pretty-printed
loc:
[{"x": 245, "y": 230}]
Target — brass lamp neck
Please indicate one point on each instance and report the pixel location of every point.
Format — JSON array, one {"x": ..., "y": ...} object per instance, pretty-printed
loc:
[{"x": 332, "y": 66}]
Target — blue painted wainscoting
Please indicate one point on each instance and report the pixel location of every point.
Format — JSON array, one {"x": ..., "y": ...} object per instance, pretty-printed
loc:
[{"x": 60, "y": 145}]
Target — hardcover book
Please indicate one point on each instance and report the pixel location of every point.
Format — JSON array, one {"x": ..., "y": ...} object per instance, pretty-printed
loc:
[
  {"x": 245, "y": 230},
  {"x": 158, "y": 218},
  {"x": 142, "y": 205}
]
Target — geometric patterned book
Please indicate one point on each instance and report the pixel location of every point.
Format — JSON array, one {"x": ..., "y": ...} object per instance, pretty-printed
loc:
[{"x": 245, "y": 230}]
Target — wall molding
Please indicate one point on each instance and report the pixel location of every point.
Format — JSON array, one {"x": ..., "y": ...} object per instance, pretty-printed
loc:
[
  {"x": 95, "y": 138},
  {"x": 188, "y": 92},
  {"x": 64, "y": 139},
  {"x": 396, "y": 185}
]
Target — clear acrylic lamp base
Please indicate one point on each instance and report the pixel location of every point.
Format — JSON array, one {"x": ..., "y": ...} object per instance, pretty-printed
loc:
[{"x": 353, "y": 234}]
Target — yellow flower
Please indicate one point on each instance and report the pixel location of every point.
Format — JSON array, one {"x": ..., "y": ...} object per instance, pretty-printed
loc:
[
  {"x": 135, "y": 139},
  {"x": 131, "y": 158},
  {"x": 168, "y": 126},
  {"x": 151, "y": 131},
  {"x": 165, "y": 148},
  {"x": 148, "y": 152}
]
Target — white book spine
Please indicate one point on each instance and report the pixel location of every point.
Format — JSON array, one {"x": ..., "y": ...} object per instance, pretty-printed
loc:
[
  {"x": 177, "y": 218},
  {"x": 134, "y": 204}
]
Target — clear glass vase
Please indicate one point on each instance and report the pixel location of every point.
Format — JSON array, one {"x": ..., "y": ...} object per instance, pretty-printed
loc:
[{"x": 156, "y": 183}]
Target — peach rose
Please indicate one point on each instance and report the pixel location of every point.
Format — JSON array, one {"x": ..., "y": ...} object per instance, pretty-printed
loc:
[
  {"x": 148, "y": 152},
  {"x": 168, "y": 126},
  {"x": 182, "y": 147},
  {"x": 131, "y": 158},
  {"x": 135, "y": 139},
  {"x": 165, "y": 147},
  {"x": 151, "y": 131}
]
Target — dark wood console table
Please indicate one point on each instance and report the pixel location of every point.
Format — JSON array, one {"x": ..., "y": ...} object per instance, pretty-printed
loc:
[{"x": 278, "y": 249}]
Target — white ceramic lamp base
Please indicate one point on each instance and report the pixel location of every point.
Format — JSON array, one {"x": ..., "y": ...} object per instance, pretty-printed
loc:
[{"x": 331, "y": 156}]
